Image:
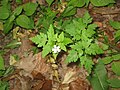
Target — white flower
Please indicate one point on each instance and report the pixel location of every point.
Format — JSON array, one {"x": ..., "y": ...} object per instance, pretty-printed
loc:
[{"x": 56, "y": 49}]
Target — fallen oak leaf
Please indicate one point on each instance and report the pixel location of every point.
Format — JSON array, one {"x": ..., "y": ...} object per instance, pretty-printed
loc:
[
  {"x": 41, "y": 65},
  {"x": 79, "y": 84},
  {"x": 26, "y": 64},
  {"x": 69, "y": 77},
  {"x": 32, "y": 63}
]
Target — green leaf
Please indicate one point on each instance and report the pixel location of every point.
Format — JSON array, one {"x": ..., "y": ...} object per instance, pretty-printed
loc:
[
  {"x": 18, "y": 10},
  {"x": 13, "y": 44},
  {"x": 116, "y": 57},
  {"x": 9, "y": 24},
  {"x": 4, "y": 12},
  {"x": 87, "y": 62},
  {"x": 48, "y": 18},
  {"x": 72, "y": 56},
  {"x": 24, "y": 22},
  {"x": 9, "y": 71},
  {"x": 49, "y": 2},
  {"x": 30, "y": 8},
  {"x": 1, "y": 26},
  {"x": 99, "y": 79},
  {"x": 78, "y": 46},
  {"x": 4, "y": 2},
  {"x": 19, "y": 1},
  {"x": 62, "y": 46},
  {"x": 86, "y": 18},
  {"x": 114, "y": 83},
  {"x": 117, "y": 35},
  {"x": 91, "y": 30},
  {"x": 104, "y": 46},
  {"x": 76, "y": 3},
  {"x": 50, "y": 33},
  {"x": 4, "y": 85},
  {"x": 2, "y": 67},
  {"x": 46, "y": 50},
  {"x": 70, "y": 28},
  {"x": 60, "y": 37},
  {"x": 107, "y": 60},
  {"x": 87, "y": 2},
  {"x": 86, "y": 43},
  {"x": 89, "y": 65},
  {"x": 2, "y": 73},
  {"x": 115, "y": 24},
  {"x": 69, "y": 11},
  {"x": 101, "y": 2},
  {"x": 94, "y": 49},
  {"x": 116, "y": 68},
  {"x": 40, "y": 40},
  {"x": 67, "y": 41},
  {"x": 73, "y": 29}
]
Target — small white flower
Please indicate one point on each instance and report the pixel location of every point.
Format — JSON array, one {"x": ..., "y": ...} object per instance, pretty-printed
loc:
[{"x": 56, "y": 49}]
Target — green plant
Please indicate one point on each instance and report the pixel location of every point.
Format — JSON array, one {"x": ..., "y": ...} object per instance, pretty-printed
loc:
[
  {"x": 116, "y": 26},
  {"x": 81, "y": 39},
  {"x": 26, "y": 12},
  {"x": 85, "y": 45},
  {"x": 47, "y": 41},
  {"x": 4, "y": 85},
  {"x": 80, "y": 3},
  {"x": 60, "y": 30},
  {"x": 113, "y": 57},
  {"x": 99, "y": 78}
]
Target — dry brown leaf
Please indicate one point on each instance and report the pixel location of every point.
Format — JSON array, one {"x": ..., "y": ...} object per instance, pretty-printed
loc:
[
  {"x": 72, "y": 74},
  {"x": 41, "y": 65},
  {"x": 79, "y": 84},
  {"x": 40, "y": 83},
  {"x": 69, "y": 77},
  {"x": 32, "y": 64},
  {"x": 47, "y": 85},
  {"x": 26, "y": 64},
  {"x": 41, "y": 2},
  {"x": 19, "y": 83}
]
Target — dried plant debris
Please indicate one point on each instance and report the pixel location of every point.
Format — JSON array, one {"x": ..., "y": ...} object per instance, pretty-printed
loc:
[{"x": 33, "y": 63}]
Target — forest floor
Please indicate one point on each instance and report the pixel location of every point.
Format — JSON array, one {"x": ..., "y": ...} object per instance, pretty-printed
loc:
[{"x": 32, "y": 72}]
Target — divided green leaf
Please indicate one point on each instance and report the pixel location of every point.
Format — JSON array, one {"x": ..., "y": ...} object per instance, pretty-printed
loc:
[
  {"x": 72, "y": 57},
  {"x": 46, "y": 50},
  {"x": 87, "y": 62},
  {"x": 4, "y": 85},
  {"x": 49, "y": 2},
  {"x": 82, "y": 32},
  {"x": 116, "y": 68},
  {"x": 40, "y": 40}
]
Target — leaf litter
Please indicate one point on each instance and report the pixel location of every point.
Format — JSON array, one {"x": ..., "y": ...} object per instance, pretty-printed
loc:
[{"x": 34, "y": 73}]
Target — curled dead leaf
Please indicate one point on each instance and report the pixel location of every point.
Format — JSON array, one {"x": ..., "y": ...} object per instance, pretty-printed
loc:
[
  {"x": 69, "y": 77},
  {"x": 79, "y": 84},
  {"x": 33, "y": 63}
]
